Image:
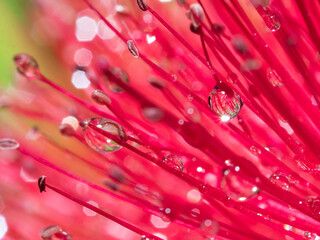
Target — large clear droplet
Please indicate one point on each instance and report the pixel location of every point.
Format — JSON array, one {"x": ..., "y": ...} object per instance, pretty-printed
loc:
[
  {"x": 274, "y": 78},
  {"x": 8, "y": 144},
  {"x": 120, "y": 75},
  {"x": 224, "y": 102},
  {"x": 54, "y": 232},
  {"x": 97, "y": 140},
  {"x": 173, "y": 161},
  {"x": 272, "y": 20},
  {"x": 237, "y": 188},
  {"x": 27, "y": 65},
  {"x": 281, "y": 180}
]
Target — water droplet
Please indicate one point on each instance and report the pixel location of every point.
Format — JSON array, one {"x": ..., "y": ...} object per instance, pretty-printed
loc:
[
  {"x": 210, "y": 226},
  {"x": 33, "y": 134},
  {"x": 195, "y": 13},
  {"x": 98, "y": 141},
  {"x": 274, "y": 78},
  {"x": 190, "y": 97},
  {"x": 272, "y": 20},
  {"x": 66, "y": 130},
  {"x": 8, "y": 144},
  {"x": 54, "y": 232},
  {"x": 144, "y": 237},
  {"x": 153, "y": 114},
  {"x": 314, "y": 205},
  {"x": 100, "y": 97},
  {"x": 225, "y": 102},
  {"x": 132, "y": 48},
  {"x": 173, "y": 77},
  {"x": 281, "y": 180},
  {"x": 237, "y": 188},
  {"x": 255, "y": 151},
  {"x": 303, "y": 162},
  {"x": 142, "y": 5},
  {"x": 27, "y": 65},
  {"x": 192, "y": 112},
  {"x": 115, "y": 75},
  {"x": 173, "y": 161}
]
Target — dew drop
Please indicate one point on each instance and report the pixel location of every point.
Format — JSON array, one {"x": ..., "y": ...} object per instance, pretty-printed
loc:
[
  {"x": 274, "y": 78},
  {"x": 272, "y": 20},
  {"x": 8, "y": 144},
  {"x": 314, "y": 205},
  {"x": 132, "y": 48},
  {"x": 66, "y": 130},
  {"x": 100, "y": 97},
  {"x": 225, "y": 102},
  {"x": 237, "y": 188},
  {"x": 144, "y": 237},
  {"x": 281, "y": 180},
  {"x": 98, "y": 141},
  {"x": 120, "y": 76},
  {"x": 190, "y": 98},
  {"x": 173, "y": 78},
  {"x": 173, "y": 161},
  {"x": 27, "y": 65},
  {"x": 210, "y": 226},
  {"x": 153, "y": 114},
  {"x": 255, "y": 151},
  {"x": 54, "y": 232}
]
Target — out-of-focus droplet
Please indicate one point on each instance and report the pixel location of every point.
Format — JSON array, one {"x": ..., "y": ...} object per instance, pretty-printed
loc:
[
  {"x": 237, "y": 188},
  {"x": 210, "y": 226},
  {"x": 54, "y": 232},
  {"x": 190, "y": 98},
  {"x": 153, "y": 114},
  {"x": 173, "y": 161},
  {"x": 100, "y": 97},
  {"x": 303, "y": 163},
  {"x": 98, "y": 141},
  {"x": 27, "y": 65},
  {"x": 66, "y": 130},
  {"x": 8, "y": 144},
  {"x": 120, "y": 75},
  {"x": 310, "y": 236},
  {"x": 272, "y": 20},
  {"x": 225, "y": 102},
  {"x": 132, "y": 48},
  {"x": 33, "y": 134},
  {"x": 144, "y": 237},
  {"x": 195, "y": 14},
  {"x": 281, "y": 180},
  {"x": 192, "y": 113},
  {"x": 255, "y": 151},
  {"x": 274, "y": 78}
]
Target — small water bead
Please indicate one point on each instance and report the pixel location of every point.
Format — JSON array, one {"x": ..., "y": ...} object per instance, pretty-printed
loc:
[
  {"x": 210, "y": 226},
  {"x": 281, "y": 180},
  {"x": 98, "y": 141},
  {"x": 144, "y": 237},
  {"x": 120, "y": 75},
  {"x": 153, "y": 114},
  {"x": 237, "y": 188},
  {"x": 132, "y": 48},
  {"x": 8, "y": 144},
  {"x": 225, "y": 102},
  {"x": 27, "y": 65},
  {"x": 314, "y": 205},
  {"x": 274, "y": 78},
  {"x": 272, "y": 20},
  {"x": 100, "y": 97},
  {"x": 54, "y": 232},
  {"x": 255, "y": 151},
  {"x": 173, "y": 161}
]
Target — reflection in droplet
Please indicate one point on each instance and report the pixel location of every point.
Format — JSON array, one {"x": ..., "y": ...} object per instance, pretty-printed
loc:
[
  {"x": 54, "y": 232},
  {"x": 255, "y": 151},
  {"x": 27, "y": 65},
  {"x": 225, "y": 103},
  {"x": 281, "y": 180},
  {"x": 274, "y": 78},
  {"x": 272, "y": 20},
  {"x": 120, "y": 75},
  {"x": 132, "y": 48},
  {"x": 8, "y": 144},
  {"x": 174, "y": 161},
  {"x": 237, "y": 188},
  {"x": 98, "y": 141}
]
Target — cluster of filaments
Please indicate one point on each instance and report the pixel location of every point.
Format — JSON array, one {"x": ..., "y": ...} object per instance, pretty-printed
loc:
[{"x": 245, "y": 76}]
